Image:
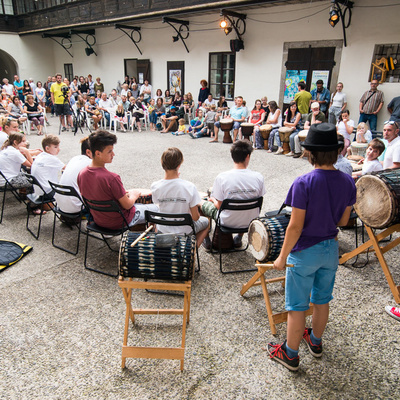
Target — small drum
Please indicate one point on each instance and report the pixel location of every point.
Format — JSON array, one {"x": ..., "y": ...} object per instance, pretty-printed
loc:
[
  {"x": 266, "y": 236},
  {"x": 226, "y": 240},
  {"x": 303, "y": 135},
  {"x": 226, "y": 126},
  {"x": 265, "y": 130},
  {"x": 378, "y": 196},
  {"x": 145, "y": 260},
  {"x": 359, "y": 149},
  {"x": 284, "y": 133},
  {"x": 145, "y": 197},
  {"x": 247, "y": 130}
]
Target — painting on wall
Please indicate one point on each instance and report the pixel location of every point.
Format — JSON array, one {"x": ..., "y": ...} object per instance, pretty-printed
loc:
[
  {"x": 293, "y": 77},
  {"x": 175, "y": 77}
]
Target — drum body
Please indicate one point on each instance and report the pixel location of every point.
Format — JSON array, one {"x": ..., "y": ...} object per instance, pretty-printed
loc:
[
  {"x": 247, "y": 129},
  {"x": 226, "y": 126},
  {"x": 146, "y": 260},
  {"x": 303, "y": 135},
  {"x": 378, "y": 196},
  {"x": 265, "y": 130},
  {"x": 266, "y": 236},
  {"x": 359, "y": 149},
  {"x": 145, "y": 197},
  {"x": 284, "y": 133}
]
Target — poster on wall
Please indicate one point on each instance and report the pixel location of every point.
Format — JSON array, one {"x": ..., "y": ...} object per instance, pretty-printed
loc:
[
  {"x": 316, "y": 76},
  {"x": 293, "y": 77},
  {"x": 175, "y": 76}
]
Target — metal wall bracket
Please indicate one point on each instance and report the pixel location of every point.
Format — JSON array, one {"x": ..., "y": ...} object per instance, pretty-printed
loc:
[
  {"x": 182, "y": 32},
  {"x": 133, "y": 30},
  {"x": 65, "y": 41}
]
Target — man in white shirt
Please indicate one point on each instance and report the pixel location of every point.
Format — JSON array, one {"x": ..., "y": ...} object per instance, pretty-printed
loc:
[
  {"x": 146, "y": 90},
  {"x": 238, "y": 183},
  {"x": 8, "y": 87},
  {"x": 392, "y": 155},
  {"x": 71, "y": 204},
  {"x": 106, "y": 105}
]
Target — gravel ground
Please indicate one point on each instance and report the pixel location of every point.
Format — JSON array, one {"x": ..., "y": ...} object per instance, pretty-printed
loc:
[{"x": 61, "y": 326}]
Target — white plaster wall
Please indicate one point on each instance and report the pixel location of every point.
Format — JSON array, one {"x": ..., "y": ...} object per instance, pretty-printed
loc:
[
  {"x": 258, "y": 67},
  {"x": 34, "y": 57}
]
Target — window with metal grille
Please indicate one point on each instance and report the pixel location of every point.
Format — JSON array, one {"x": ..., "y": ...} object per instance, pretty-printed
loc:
[
  {"x": 388, "y": 50},
  {"x": 69, "y": 72},
  {"x": 221, "y": 75}
]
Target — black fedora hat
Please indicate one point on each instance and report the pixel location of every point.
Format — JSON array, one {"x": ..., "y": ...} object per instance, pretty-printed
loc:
[{"x": 322, "y": 137}]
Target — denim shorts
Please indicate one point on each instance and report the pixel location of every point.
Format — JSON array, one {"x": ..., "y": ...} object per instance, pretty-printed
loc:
[{"x": 313, "y": 274}]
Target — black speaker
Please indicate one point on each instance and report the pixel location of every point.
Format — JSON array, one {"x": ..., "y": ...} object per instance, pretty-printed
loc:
[
  {"x": 236, "y": 45},
  {"x": 89, "y": 51}
]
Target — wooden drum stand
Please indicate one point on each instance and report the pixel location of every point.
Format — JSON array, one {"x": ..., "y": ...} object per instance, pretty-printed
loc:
[{"x": 259, "y": 279}]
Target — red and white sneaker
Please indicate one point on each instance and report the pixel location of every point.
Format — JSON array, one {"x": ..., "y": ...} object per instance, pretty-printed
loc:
[
  {"x": 394, "y": 312},
  {"x": 277, "y": 352}
]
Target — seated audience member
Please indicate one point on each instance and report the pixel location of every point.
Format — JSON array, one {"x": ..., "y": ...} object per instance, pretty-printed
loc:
[
  {"x": 98, "y": 86},
  {"x": 146, "y": 90},
  {"x": 207, "y": 103},
  {"x": 314, "y": 117},
  {"x": 114, "y": 98},
  {"x": 181, "y": 128},
  {"x": 150, "y": 109},
  {"x": 124, "y": 90},
  {"x": 137, "y": 111},
  {"x": 342, "y": 164},
  {"x": 275, "y": 120},
  {"x": 69, "y": 177},
  {"x": 106, "y": 105},
  {"x": 196, "y": 124},
  {"x": 11, "y": 159},
  {"x": 237, "y": 183},
  {"x": 363, "y": 135},
  {"x": 177, "y": 102},
  {"x": 47, "y": 166},
  {"x": 16, "y": 111},
  {"x": 392, "y": 154},
  {"x": 158, "y": 95},
  {"x": 209, "y": 121},
  {"x": 124, "y": 101},
  {"x": 238, "y": 114},
  {"x": 222, "y": 105},
  {"x": 292, "y": 121},
  {"x": 35, "y": 113},
  {"x": 169, "y": 121},
  {"x": 134, "y": 91},
  {"x": 174, "y": 195},
  {"x": 120, "y": 116},
  {"x": 98, "y": 97},
  {"x": 265, "y": 107},
  {"x": 93, "y": 112},
  {"x": 159, "y": 110},
  {"x": 371, "y": 163},
  {"x": 167, "y": 100},
  {"x": 256, "y": 118},
  {"x": 345, "y": 127},
  {"x": 186, "y": 105},
  {"x": 97, "y": 183},
  {"x": 83, "y": 87},
  {"x": 26, "y": 89}
]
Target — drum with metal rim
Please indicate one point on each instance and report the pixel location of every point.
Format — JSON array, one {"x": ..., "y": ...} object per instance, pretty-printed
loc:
[{"x": 266, "y": 236}]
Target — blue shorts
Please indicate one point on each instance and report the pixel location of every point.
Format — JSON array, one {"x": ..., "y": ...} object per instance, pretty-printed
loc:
[{"x": 313, "y": 272}]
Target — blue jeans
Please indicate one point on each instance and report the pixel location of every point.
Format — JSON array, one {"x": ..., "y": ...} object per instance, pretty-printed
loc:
[
  {"x": 291, "y": 140},
  {"x": 153, "y": 117},
  {"x": 370, "y": 118}
]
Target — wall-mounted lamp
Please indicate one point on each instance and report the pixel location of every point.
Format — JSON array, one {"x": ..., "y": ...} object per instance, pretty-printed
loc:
[
  {"x": 336, "y": 13},
  {"x": 89, "y": 51},
  {"x": 233, "y": 20},
  {"x": 182, "y": 31}
]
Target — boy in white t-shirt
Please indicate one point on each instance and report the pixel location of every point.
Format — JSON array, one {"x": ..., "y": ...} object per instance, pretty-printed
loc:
[
  {"x": 47, "y": 166},
  {"x": 371, "y": 163},
  {"x": 174, "y": 195}
]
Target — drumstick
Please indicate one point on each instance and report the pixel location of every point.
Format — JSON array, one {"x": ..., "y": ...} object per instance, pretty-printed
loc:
[
  {"x": 142, "y": 235},
  {"x": 271, "y": 265}
]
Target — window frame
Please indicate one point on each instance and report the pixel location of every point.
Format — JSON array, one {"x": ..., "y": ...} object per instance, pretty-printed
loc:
[{"x": 221, "y": 70}]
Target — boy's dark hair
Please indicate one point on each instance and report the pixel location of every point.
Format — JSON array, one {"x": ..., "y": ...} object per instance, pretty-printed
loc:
[
  {"x": 100, "y": 139},
  {"x": 378, "y": 145},
  {"x": 319, "y": 82},
  {"x": 340, "y": 138},
  {"x": 240, "y": 150},
  {"x": 302, "y": 84},
  {"x": 85, "y": 145},
  {"x": 171, "y": 159},
  {"x": 322, "y": 157},
  {"x": 49, "y": 140}
]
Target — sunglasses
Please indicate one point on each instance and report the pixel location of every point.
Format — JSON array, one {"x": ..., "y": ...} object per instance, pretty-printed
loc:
[{"x": 391, "y": 123}]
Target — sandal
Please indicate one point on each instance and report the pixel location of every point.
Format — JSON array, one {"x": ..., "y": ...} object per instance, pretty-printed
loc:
[{"x": 38, "y": 211}]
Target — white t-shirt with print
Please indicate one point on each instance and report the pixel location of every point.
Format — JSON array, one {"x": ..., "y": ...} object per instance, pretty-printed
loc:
[
  {"x": 10, "y": 163},
  {"x": 69, "y": 177},
  {"x": 45, "y": 168},
  {"x": 175, "y": 196},
  {"x": 238, "y": 184}
]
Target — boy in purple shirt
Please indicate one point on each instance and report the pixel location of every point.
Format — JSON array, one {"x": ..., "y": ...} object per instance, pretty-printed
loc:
[{"x": 321, "y": 200}]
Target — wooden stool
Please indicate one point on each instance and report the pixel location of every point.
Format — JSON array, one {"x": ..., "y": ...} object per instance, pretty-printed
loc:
[
  {"x": 259, "y": 279},
  {"x": 171, "y": 353}
]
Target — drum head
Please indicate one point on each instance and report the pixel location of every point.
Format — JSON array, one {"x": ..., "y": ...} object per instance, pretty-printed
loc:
[
  {"x": 375, "y": 203},
  {"x": 258, "y": 240}
]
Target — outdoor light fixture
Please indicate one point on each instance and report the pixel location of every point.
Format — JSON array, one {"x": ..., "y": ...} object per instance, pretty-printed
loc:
[
  {"x": 233, "y": 20},
  {"x": 182, "y": 31},
  {"x": 336, "y": 13},
  {"x": 89, "y": 51}
]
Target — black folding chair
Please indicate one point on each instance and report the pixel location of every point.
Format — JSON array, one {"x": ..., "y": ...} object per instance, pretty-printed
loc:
[
  {"x": 172, "y": 220},
  {"x": 71, "y": 219},
  {"x": 237, "y": 206},
  {"x": 8, "y": 187},
  {"x": 37, "y": 202},
  {"x": 91, "y": 227}
]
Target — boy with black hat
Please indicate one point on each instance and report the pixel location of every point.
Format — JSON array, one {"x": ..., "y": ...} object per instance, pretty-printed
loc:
[{"x": 321, "y": 200}]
